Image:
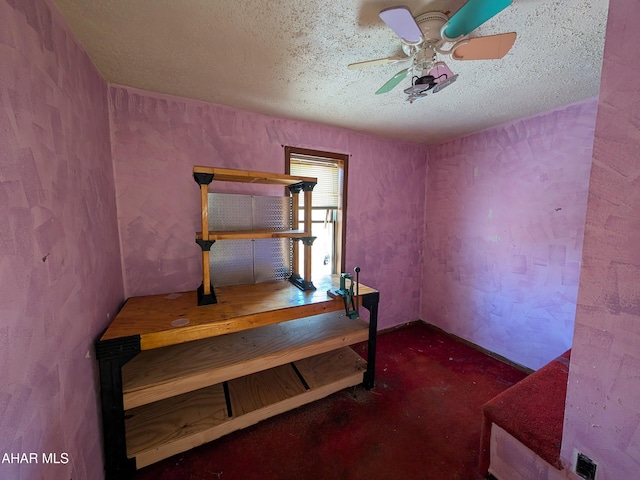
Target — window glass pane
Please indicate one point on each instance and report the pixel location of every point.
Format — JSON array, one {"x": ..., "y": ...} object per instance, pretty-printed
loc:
[
  {"x": 322, "y": 215},
  {"x": 322, "y": 251}
]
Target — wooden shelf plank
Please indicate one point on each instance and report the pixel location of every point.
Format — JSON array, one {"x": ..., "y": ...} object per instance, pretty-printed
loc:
[
  {"x": 246, "y": 176},
  {"x": 161, "y": 373},
  {"x": 180, "y": 419},
  {"x": 259, "y": 390},
  {"x": 161, "y": 429},
  {"x": 239, "y": 307},
  {"x": 253, "y": 234},
  {"x": 320, "y": 370}
]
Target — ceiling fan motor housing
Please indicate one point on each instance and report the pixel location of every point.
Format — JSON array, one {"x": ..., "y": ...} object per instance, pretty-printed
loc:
[{"x": 431, "y": 24}]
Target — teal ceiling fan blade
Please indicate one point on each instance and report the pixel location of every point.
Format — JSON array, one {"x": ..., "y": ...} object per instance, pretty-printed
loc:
[
  {"x": 395, "y": 80},
  {"x": 472, "y": 14}
]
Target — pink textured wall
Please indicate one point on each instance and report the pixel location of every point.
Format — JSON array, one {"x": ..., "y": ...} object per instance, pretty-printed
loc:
[
  {"x": 158, "y": 139},
  {"x": 504, "y": 226},
  {"x": 60, "y": 272},
  {"x": 602, "y": 416}
]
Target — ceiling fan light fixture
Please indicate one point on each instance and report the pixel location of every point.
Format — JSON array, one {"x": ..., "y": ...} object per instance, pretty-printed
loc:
[
  {"x": 430, "y": 34},
  {"x": 421, "y": 85},
  {"x": 417, "y": 89},
  {"x": 445, "y": 83},
  {"x": 440, "y": 72}
]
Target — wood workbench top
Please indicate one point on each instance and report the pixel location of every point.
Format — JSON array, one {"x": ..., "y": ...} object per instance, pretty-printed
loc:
[{"x": 170, "y": 319}]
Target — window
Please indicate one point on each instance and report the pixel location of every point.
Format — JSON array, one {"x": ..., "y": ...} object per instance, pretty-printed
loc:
[{"x": 329, "y": 205}]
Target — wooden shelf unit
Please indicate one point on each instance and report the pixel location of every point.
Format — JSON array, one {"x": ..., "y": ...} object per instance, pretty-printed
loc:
[
  {"x": 266, "y": 349},
  {"x": 205, "y": 238}
]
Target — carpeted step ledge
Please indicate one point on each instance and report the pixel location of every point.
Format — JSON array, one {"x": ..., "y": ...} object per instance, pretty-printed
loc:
[{"x": 532, "y": 411}]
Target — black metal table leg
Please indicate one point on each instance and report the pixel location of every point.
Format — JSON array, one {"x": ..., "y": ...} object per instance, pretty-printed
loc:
[
  {"x": 112, "y": 355},
  {"x": 370, "y": 302}
]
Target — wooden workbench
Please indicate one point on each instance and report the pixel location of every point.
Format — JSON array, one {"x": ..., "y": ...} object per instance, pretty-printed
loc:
[{"x": 175, "y": 375}]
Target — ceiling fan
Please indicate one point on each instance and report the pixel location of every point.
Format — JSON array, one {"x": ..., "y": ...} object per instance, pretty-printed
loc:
[{"x": 434, "y": 33}]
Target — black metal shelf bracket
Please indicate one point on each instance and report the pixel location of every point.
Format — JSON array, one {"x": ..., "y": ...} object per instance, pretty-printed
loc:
[
  {"x": 203, "y": 178},
  {"x": 205, "y": 245},
  {"x": 308, "y": 241},
  {"x": 308, "y": 186},
  {"x": 301, "y": 187},
  {"x": 206, "y": 298},
  {"x": 301, "y": 283}
]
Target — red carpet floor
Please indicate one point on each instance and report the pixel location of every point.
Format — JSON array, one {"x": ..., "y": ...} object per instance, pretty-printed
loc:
[{"x": 421, "y": 421}]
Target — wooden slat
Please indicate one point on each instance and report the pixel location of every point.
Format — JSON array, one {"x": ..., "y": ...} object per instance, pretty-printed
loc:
[
  {"x": 204, "y": 235},
  {"x": 295, "y": 222},
  {"x": 161, "y": 429},
  {"x": 307, "y": 226},
  {"x": 206, "y": 272},
  {"x": 322, "y": 369},
  {"x": 246, "y": 176},
  {"x": 239, "y": 307},
  {"x": 179, "y": 420},
  {"x": 259, "y": 390},
  {"x": 307, "y": 263},
  {"x": 253, "y": 234},
  {"x": 164, "y": 372},
  {"x": 204, "y": 212}
]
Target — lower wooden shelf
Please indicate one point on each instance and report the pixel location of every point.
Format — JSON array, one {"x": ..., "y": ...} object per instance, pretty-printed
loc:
[
  {"x": 165, "y": 372},
  {"x": 158, "y": 430}
]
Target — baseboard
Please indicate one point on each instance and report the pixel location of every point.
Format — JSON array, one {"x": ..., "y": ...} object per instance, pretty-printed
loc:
[
  {"x": 489, "y": 353},
  {"x": 399, "y": 327}
]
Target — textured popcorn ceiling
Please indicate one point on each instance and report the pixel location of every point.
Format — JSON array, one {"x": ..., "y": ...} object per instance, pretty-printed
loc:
[{"x": 289, "y": 59}]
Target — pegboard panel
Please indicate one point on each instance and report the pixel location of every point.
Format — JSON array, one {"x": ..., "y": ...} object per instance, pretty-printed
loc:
[{"x": 237, "y": 262}]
